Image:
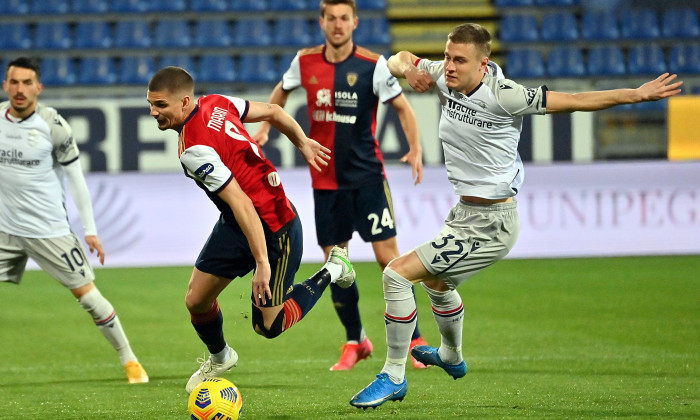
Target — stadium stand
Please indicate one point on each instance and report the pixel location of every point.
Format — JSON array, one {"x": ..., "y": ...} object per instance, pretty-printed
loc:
[
  {"x": 93, "y": 34},
  {"x": 566, "y": 61},
  {"x": 98, "y": 70},
  {"x": 52, "y": 35},
  {"x": 136, "y": 70},
  {"x": 216, "y": 68},
  {"x": 90, "y": 6},
  {"x": 133, "y": 34},
  {"x": 292, "y": 32},
  {"x": 599, "y": 25},
  {"x": 212, "y": 33},
  {"x": 606, "y": 61},
  {"x": 257, "y": 68},
  {"x": 646, "y": 59},
  {"x": 172, "y": 33},
  {"x": 59, "y": 71},
  {"x": 559, "y": 26}
]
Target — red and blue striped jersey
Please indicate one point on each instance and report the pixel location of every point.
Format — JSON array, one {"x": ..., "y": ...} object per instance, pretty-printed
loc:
[{"x": 342, "y": 103}]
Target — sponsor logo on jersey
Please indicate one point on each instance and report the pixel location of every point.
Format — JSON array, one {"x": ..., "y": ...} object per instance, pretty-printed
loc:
[
  {"x": 323, "y": 97},
  {"x": 274, "y": 179},
  {"x": 463, "y": 113},
  {"x": 218, "y": 115},
  {"x": 313, "y": 80},
  {"x": 530, "y": 95},
  {"x": 204, "y": 170},
  {"x": 16, "y": 157},
  {"x": 391, "y": 81},
  {"x": 330, "y": 116},
  {"x": 351, "y": 78},
  {"x": 345, "y": 99}
]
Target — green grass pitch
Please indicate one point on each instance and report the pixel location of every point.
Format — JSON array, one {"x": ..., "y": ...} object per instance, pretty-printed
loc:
[{"x": 563, "y": 338}]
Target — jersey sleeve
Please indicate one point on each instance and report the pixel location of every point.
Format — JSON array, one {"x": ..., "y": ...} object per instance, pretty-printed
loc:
[
  {"x": 517, "y": 99},
  {"x": 203, "y": 164},
  {"x": 386, "y": 87},
  {"x": 240, "y": 104},
  {"x": 65, "y": 148},
  {"x": 435, "y": 68},
  {"x": 292, "y": 77}
]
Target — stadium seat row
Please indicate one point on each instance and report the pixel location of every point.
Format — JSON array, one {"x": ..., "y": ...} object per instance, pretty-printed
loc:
[
  {"x": 527, "y": 3},
  {"x": 137, "y": 70},
  {"x": 54, "y": 7},
  {"x": 642, "y": 59},
  {"x": 167, "y": 33},
  {"x": 599, "y": 25}
]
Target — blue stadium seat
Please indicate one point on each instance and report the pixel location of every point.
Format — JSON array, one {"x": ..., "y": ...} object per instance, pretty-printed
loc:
[
  {"x": 58, "y": 71},
  {"x": 680, "y": 23},
  {"x": 257, "y": 68},
  {"x": 606, "y": 61},
  {"x": 212, "y": 33},
  {"x": 182, "y": 60},
  {"x": 247, "y": 5},
  {"x": 287, "y": 5},
  {"x": 685, "y": 59},
  {"x": 557, "y": 2},
  {"x": 292, "y": 31},
  {"x": 49, "y": 7},
  {"x": 599, "y": 25},
  {"x": 15, "y": 36},
  {"x": 208, "y": 5},
  {"x": 90, "y": 6},
  {"x": 559, "y": 26},
  {"x": 373, "y": 31},
  {"x": 362, "y": 5},
  {"x": 132, "y": 34},
  {"x": 168, "y": 5},
  {"x": 524, "y": 63},
  {"x": 646, "y": 59},
  {"x": 216, "y": 68},
  {"x": 283, "y": 63},
  {"x": 136, "y": 70},
  {"x": 97, "y": 71},
  {"x": 14, "y": 7},
  {"x": 52, "y": 35},
  {"x": 660, "y": 105},
  {"x": 93, "y": 34},
  {"x": 519, "y": 28},
  {"x": 174, "y": 33},
  {"x": 252, "y": 32},
  {"x": 131, "y": 6},
  {"x": 566, "y": 62},
  {"x": 639, "y": 24}
]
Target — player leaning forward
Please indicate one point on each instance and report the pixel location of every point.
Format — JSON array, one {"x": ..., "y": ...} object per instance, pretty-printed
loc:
[
  {"x": 37, "y": 150},
  {"x": 258, "y": 229},
  {"x": 479, "y": 130}
]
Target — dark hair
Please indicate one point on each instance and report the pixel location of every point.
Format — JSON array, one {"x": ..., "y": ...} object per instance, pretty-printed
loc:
[
  {"x": 26, "y": 63},
  {"x": 325, "y": 3},
  {"x": 173, "y": 79},
  {"x": 472, "y": 33}
]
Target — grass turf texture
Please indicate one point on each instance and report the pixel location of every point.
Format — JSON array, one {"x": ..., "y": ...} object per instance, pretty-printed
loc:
[{"x": 564, "y": 338}]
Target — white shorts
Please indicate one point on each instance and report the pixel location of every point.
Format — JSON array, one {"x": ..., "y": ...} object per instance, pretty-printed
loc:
[
  {"x": 474, "y": 237},
  {"x": 62, "y": 257}
]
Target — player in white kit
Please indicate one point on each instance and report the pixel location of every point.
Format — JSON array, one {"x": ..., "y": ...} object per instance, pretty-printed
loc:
[
  {"x": 479, "y": 129},
  {"x": 37, "y": 152}
]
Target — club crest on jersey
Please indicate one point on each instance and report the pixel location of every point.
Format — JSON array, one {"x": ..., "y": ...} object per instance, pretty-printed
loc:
[
  {"x": 351, "y": 78},
  {"x": 323, "y": 97},
  {"x": 204, "y": 170}
]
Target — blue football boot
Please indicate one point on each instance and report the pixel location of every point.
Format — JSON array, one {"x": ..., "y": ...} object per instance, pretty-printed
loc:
[
  {"x": 379, "y": 391},
  {"x": 429, "y": 356}
]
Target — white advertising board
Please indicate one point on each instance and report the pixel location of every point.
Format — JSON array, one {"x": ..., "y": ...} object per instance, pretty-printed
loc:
[{"x": 642, "y": 208}]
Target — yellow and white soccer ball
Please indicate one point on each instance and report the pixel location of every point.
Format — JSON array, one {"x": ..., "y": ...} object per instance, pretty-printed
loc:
[{"x": 215, "y": 398}]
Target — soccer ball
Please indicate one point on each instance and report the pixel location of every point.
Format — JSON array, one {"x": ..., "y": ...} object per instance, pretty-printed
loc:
[{"x": 215, "y": 398}]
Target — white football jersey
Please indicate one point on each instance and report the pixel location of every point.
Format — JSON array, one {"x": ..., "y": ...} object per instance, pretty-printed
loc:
[
  {"x": 32, "y": 150},
  {"x": 480, "y": 131}
]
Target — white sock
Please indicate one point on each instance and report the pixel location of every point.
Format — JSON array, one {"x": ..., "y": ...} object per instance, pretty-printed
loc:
[
  {"x": 221, "y": 356},
  {"x": 335, "y": 270},
  {"x": 400, "y": 320},
  {"x": 448, "y": 311},
  {"x": 107, "y": 322}
]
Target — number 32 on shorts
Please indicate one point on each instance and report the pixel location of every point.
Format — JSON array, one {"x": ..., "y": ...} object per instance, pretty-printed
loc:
[{"x": 386, "y": 220}]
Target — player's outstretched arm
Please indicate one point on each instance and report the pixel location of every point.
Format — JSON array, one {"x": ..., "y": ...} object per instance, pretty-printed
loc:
[
  {"x": 278, "y": 96},
  {"x": 659, "y": 88},
  {"x": 313, "y": 152},
  {"x": 402, "y": 65}
]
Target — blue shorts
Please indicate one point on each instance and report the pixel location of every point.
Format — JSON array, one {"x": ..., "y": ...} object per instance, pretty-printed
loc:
[
  {"x": 367, "y": 210},
  {"x": 227, "y": 254}
]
